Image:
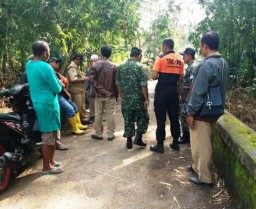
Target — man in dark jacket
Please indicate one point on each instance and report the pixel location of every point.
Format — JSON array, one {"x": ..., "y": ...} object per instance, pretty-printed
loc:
[
  {"x": 102, "y": 77},
  {"x": 212, "y": 71}
]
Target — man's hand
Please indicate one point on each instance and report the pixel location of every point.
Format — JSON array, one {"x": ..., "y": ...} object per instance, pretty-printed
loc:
[
  {"x": 85, "y": 78},
  {"x": 119, "y": 100},
  {"x": 191, "y": 121},
  {"x": 108, "y": 94},
  {"x": 62, "y": 83},
  {"x": 146, "y": 104}
]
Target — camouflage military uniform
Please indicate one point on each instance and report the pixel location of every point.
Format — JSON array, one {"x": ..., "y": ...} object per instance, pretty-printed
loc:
[
  {"x": 184, "y": 95},
  {"x": 131, "y": 78}
]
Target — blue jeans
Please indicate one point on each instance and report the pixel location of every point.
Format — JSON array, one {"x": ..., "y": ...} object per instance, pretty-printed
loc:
[{"x": 67, "y": 106}]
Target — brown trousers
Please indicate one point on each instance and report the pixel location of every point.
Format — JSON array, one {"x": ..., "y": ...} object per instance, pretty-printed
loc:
[{"x": 201, "y": 149}]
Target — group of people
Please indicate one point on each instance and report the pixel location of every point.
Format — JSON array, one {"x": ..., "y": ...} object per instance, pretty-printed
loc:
[{"x": 108, "y": 84}]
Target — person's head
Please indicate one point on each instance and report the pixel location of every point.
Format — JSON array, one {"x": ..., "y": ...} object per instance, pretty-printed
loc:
[
  {"x": 54, "y": 62},
  {"x": 209, "y": 43},
  {"x": 41, "y": 50},
  {"x": 136, "y": 53},
  {"x": 188, "y": 55},
  {"x": 78, "y": 58},
  {"x": 168, "y": 44},
  {"x": 106, "y": 51},
  {"x": 94, "y": 58}
]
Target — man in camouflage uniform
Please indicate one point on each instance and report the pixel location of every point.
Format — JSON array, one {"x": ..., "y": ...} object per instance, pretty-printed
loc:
[
  {"x": 189, "y": 58},
  {"x": 131, "y": 81}
]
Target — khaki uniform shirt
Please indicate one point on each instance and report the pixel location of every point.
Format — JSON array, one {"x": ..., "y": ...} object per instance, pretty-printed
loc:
[{"x": 73, "y": 74}]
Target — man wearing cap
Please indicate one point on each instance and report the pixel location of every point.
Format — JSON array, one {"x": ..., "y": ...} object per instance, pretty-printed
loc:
[
  {"x": 131, "y": 81},
  {"x": 169, "y": 70},
  {"x": 90, "y": 95},
  {"x": 188, "y": 58},
  {"x": 76, "y": 86},
  {"x": 66, "y": 105}
]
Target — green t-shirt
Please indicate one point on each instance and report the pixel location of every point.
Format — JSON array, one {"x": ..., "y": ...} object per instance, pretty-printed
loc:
[{"x": 131, "y": 77}]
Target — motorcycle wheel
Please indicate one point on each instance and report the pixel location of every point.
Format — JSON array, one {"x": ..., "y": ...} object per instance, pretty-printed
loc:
[{"x": 5, "y": 174}]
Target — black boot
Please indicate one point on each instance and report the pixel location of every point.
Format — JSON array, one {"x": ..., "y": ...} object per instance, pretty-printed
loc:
[
  {"x": 175, "y": 145},
  {"x": 185, "y": 138},
  {"x": 138, "y": 140},
  {"x": 129, "y": 143},
  {"x": 159, "y": 148}
]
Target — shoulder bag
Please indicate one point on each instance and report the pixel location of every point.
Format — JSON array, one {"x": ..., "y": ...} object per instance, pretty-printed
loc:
[{"x": 213, "y": 106}]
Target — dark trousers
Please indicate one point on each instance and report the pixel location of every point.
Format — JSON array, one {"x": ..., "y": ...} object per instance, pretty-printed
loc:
[
  {"x": 183, "y": 117},
  {"x": 139, "y": 116},
  {"x": 167, "y": 101}
]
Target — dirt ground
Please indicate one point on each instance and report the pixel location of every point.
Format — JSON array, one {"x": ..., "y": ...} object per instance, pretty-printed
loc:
[{"x": 105, "y": 175}]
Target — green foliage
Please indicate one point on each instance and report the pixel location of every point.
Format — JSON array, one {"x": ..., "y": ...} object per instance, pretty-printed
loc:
[
  {"x": 69, "y": 26},
  {"x": 235, "y": 21},
  {"x": 164, "y": 26}
]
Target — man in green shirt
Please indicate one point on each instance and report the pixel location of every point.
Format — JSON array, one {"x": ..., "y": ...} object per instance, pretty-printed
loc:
[
  {"x": 44, "y": 88},
  {"x": 131, "y": 81}
]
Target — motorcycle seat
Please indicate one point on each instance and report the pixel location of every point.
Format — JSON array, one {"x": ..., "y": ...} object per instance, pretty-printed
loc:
[{"x": 10, "y": 117}]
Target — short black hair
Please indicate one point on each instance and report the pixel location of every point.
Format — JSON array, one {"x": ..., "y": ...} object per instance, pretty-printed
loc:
[
  {"x": 106, "y": 51},
  {"x": 211, "y": 39},
  {"x": 78, "y": 55},
  {"x": 39, "y": 47},
  {"x": 135, "y": 52},
  {"x": 169, "y": 43}
]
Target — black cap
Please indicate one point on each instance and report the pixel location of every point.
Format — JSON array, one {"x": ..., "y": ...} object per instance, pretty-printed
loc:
[
  {"x": 189, "y": 51},
  {"x": 54, "y": 59},
  {"x": 78, "y": 55}
]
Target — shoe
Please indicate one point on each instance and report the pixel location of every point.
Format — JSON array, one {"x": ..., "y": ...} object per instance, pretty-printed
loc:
[
  {"x": 61, "y": 147},
  {"x": 87, "y": 122},
  {"x": 129, "y": 143},
  {"x": 92, "y": 119},
  {"x": 56, "y": 170},
  {"x": 94, "y": 136},
  {"x": 138, "y": 141},
  {"x": 174, "y": 146},
  {"x": 157, "y": 148},
  {"x": 197, "y": 181},
  {"x": 190, "y": 169},
  {"x": 111, "y": 138},
  {"x": 185, "y": 138}
]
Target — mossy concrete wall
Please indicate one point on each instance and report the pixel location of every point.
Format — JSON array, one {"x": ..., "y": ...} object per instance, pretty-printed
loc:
[{"x": 234, "y": 153}]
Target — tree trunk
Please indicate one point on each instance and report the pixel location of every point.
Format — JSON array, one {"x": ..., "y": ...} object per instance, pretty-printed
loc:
[{"x": 4, "y": 63}]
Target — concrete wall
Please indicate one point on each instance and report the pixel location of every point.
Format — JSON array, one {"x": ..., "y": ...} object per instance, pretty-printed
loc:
[{"x": 234, "y": 153}]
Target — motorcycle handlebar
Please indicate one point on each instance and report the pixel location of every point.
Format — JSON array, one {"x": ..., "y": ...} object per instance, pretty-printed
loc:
[{"x": 13, "y": 90}]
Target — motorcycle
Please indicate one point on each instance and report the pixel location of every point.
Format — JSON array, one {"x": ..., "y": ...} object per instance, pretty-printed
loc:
[{"x": 19, "y": 135}]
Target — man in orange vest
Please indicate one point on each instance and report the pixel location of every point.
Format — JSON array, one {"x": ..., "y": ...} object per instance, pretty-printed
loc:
[{"x": 169, "y": 70}]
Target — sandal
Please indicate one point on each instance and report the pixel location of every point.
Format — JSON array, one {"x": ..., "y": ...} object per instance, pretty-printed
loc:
[
  {"x": 61, "y": 147},
  {"x": 57, "y": 164},
  {"x": 56, "y": 170}
]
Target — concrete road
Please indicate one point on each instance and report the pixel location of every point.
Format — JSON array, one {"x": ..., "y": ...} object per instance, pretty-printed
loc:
[{"x": 105, "y": 175}]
